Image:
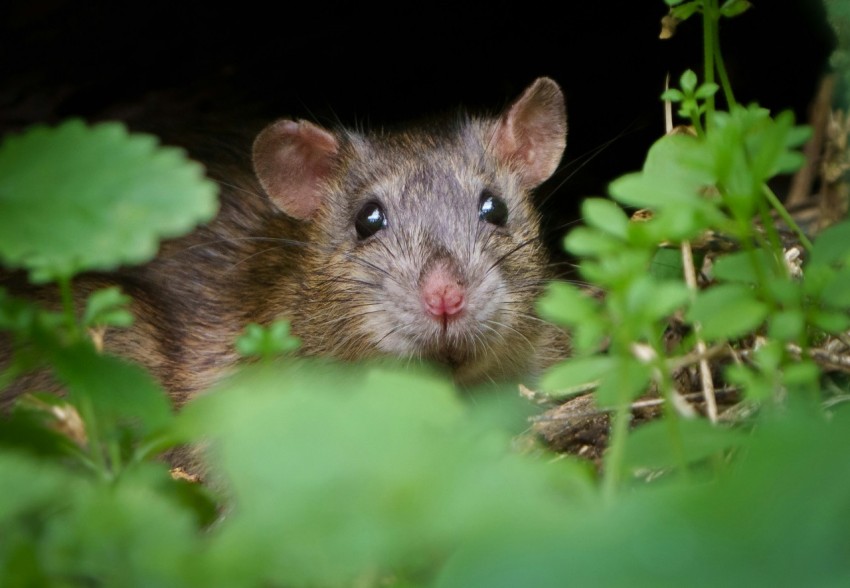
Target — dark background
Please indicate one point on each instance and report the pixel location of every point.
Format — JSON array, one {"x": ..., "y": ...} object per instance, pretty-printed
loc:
[{"x": 360, "y": 63}]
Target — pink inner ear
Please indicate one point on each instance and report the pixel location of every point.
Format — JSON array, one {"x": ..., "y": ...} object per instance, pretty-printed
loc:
[
  {"x": 531, "y": 135},
  {"x": 292, "y": 160}
]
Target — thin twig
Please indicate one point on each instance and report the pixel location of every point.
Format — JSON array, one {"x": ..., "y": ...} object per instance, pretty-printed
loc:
[
  {"x": 638, "y": 404},
  {"x": 704, "y": 369}
]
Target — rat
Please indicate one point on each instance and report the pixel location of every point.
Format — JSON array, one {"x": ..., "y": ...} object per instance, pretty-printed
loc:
[{"x": 421, "y": 243}]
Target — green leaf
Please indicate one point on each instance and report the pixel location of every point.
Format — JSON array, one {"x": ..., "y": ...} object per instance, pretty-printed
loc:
[
  {"x": 732, "y": 8},
  {"x": 667, "y": 264},
  {"x": 832, "y": 246},
  {"x": 75, "y": 198},
  {"x": 675, "y": 175},
  {"x": 565, "y": 304},
  {"x": 688, "y": 81},
  {"x": 755, "y": 385},
  {"x": 119, "y": 392},
  {"x": 727, "y": 311},
  {"x": 831, "y": 322},
  {"x": 617, "y": 270},
  {"x": 125, "y": 534},
  {"x": 836, "y": 292},
  {"x": 587, "y": 241},
  {"x": 627, "y": 379},
  {"x": 16, "y": 314},
  {"x": 786, "y": 325},
  {"x": 685, "y": 11},
  {"x": 571, "y": 374},
  {"x": 606, "y": 216},
  {"x": 740, "y": 265},
  {"x": 802, "y": 377},
  {"x": 673, "y": 95},
  {"x": 707, "y": 90},
  {"x": 776, "y": 498},
  {"x": 107, "y": 307},
  {"x": 336, "y": 474},
  {"x": 661, "y": 444},
  {"x": 659, "y": 299},
  {"x": 268, "y": 341}
]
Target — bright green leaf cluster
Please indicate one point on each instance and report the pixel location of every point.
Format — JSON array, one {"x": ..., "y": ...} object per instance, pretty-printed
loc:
[{"x": 267, "y": 342}]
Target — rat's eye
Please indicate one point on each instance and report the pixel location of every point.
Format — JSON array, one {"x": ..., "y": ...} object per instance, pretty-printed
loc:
[
  {"x": 492, "y": 209},
  {"x": 369, "y": 220}
]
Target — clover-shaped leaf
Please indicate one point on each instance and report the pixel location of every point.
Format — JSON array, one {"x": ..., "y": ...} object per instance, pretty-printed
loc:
[
  {"x": 78, "y": 197},
  {"x": 266, "y": 342}
]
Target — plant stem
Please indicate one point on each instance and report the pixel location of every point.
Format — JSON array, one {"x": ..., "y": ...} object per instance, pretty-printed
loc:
[
  {"x": 68, "y": 307},
  {"x": 721, "y": 71},
  {"x": 705, "y": 371},
  {"x": 697, "y": 125},
  {"x": 783, "y": 214},
  {"x": 709, "y": 22},
  {"x": 671, "y": 416},
  {"x": 95, "y": 449},
  {"x": 616, "y": 450}
]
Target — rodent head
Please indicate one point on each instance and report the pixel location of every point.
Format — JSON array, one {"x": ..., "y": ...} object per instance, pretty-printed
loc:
[{"x": 423, "y": 243}]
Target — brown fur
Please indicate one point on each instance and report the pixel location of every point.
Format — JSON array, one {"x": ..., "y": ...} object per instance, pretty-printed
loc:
[{"x": 349, "y": 298}]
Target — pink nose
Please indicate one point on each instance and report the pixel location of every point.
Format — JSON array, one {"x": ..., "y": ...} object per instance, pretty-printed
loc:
[{"x": 442, "y": 295}]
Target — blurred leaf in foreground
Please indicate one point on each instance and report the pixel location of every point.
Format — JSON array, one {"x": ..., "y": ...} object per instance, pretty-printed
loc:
[
  {"x": 79, "y": 197},
  {"x": 778, "y": 518},
  {"x": 339, "y": 473}
]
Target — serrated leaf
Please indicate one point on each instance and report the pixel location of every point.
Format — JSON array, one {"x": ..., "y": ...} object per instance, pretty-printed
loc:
[
  {"x": 727, "y": 311},
  {"x": 606, "y": 216},
  {"x": 76, "y": 198}
]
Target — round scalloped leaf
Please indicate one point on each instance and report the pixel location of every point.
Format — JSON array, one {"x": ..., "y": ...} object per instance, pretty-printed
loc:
[{"x": 77, "y": 197}]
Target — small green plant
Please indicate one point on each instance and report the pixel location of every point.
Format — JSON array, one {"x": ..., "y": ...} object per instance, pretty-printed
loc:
[
  {"x": 324, "y": 475},
  {"x": 710, "y": 181},
  {"x": 267, "y": 342},
  {"x": 78, "y": 198}
]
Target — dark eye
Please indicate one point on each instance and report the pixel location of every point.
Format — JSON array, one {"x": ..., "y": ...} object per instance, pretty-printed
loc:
[
  {"x": 492, "y": 209},
  {"x": 369, "y": 220}
]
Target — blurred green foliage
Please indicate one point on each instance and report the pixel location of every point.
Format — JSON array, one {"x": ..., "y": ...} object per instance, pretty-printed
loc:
[{"x": 319, "y": 474}]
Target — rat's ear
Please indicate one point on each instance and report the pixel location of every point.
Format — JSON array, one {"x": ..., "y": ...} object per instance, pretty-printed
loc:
[
  {"x": 291, "y": 160},
  {"x": 531, "y": 135}
]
